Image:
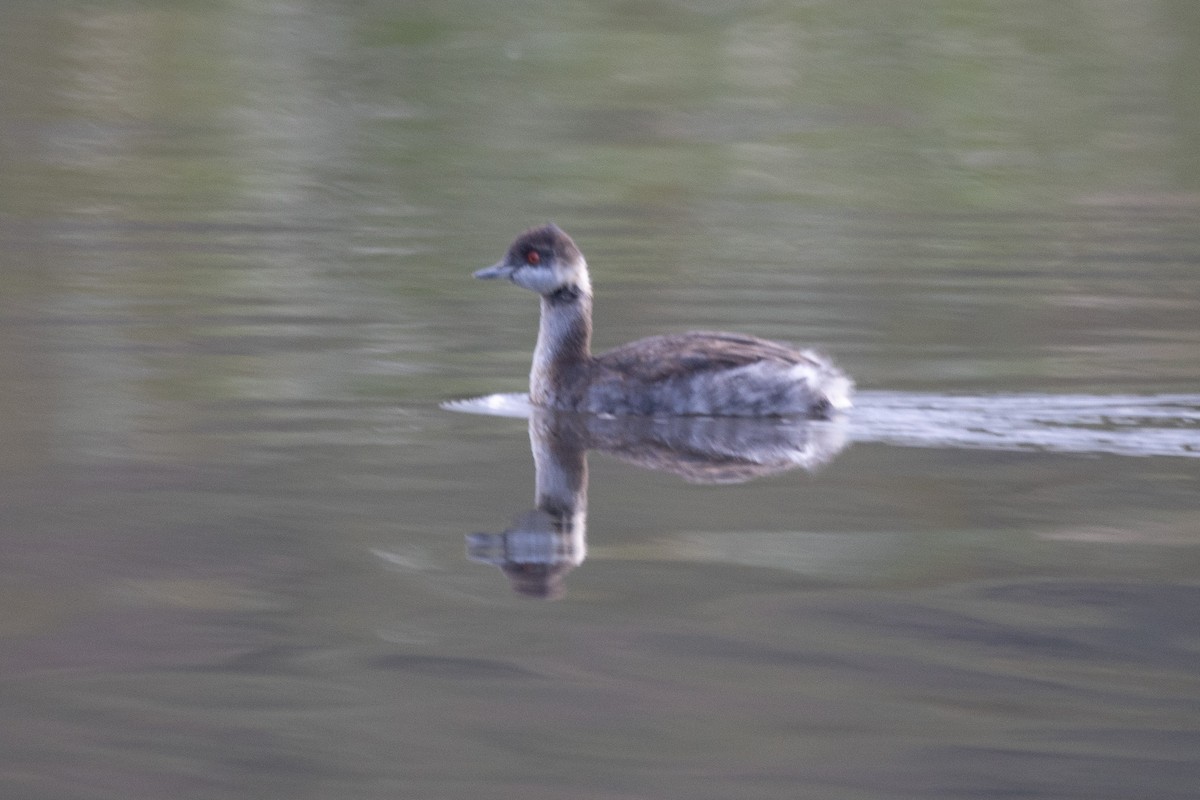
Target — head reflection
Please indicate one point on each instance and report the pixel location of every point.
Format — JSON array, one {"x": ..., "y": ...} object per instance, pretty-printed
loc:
[
  {"x": 536, "y": 553},
  {"x": 544, "y": 544}
]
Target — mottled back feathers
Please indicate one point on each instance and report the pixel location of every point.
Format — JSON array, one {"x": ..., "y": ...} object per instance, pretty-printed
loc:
[{"x": 700, "y": 373}]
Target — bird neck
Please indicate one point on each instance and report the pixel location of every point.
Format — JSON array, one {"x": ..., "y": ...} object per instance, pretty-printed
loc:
[{"x": 564, "y": 345}]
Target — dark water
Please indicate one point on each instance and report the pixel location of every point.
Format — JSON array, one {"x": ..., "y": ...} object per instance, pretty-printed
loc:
[{"x": 235, "y": 249}]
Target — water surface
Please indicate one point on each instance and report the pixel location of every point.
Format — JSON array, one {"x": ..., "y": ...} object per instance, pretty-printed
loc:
[{"x": 235, "y": 256}]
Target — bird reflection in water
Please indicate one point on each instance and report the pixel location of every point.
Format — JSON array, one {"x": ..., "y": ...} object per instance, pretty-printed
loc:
[{"x": 543, "y": 545}]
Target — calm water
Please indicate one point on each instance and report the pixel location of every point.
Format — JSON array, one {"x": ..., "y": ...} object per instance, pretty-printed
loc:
[{"x": 249, "y": 539}]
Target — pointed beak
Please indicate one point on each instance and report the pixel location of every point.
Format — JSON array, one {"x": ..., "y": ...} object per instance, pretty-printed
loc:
[{"x": 497, "y": 270}]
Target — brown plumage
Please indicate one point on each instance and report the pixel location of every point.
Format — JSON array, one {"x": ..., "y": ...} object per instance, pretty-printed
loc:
[
  {"x": 716, "y": 374},
  {"x": 666, "y": 357}
]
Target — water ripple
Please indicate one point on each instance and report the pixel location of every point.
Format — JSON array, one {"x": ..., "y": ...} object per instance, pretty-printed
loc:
[{"x": 1128, "y": 425}]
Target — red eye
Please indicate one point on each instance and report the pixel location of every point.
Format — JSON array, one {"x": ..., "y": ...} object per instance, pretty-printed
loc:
[{"x": 533, "y": 257}]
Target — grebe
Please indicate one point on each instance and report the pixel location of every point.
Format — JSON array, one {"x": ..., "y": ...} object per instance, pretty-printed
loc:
[{"x": 699, "y": 373}]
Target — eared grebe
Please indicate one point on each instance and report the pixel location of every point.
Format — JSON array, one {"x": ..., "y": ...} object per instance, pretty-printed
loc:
[{"x": 716, "y": 374}]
